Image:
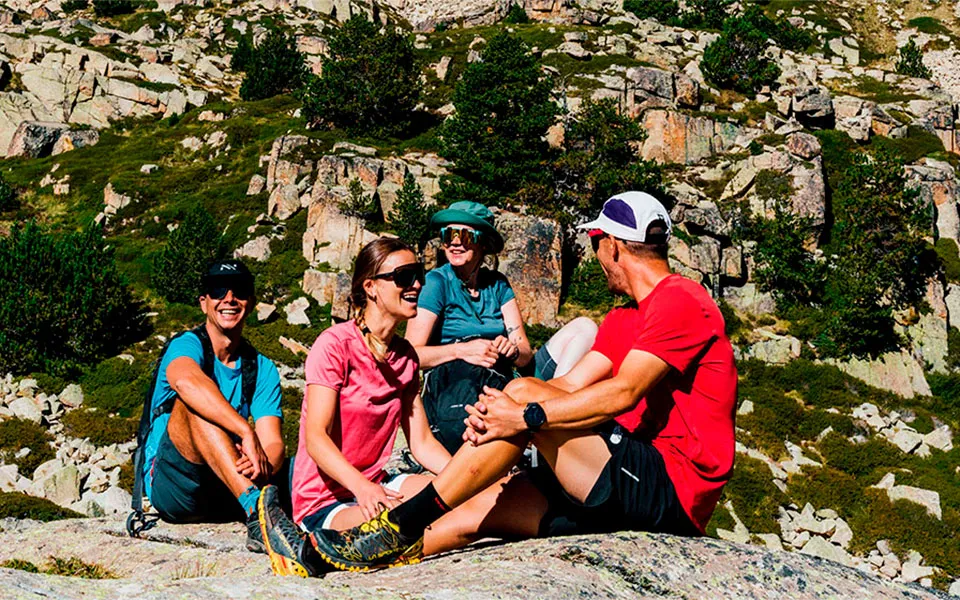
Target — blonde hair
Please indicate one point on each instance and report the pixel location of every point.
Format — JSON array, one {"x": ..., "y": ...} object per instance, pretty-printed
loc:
[{"x": 368, "y": 263}]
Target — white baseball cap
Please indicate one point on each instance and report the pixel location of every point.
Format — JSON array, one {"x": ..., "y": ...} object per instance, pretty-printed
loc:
[{"x": 628, "y": 215}]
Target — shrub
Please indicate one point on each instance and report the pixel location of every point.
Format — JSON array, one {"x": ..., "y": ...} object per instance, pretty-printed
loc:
[
  {"x": 665, "y": 11},
  {"x": 69, "y": 6},
  {"x": 517, "y": 15},
  {"x": 243, "y": 54},
  {"x": 859, "y": 460},
  {"x": 189, "y": 249},
  {"x": 116, "y": 386},
  {"x": 357, "y": 204},
  {"x": 21, "y": 506},
  {"x": 63, "y": 302},
  {"x": 780, "y": 30},
  {"x": 496, "y": 138},
  {"x": 410, "y": 215},
  {"x": 370, "y": 83},
  {"x": 112, "y": 8},
  {"x": 601, "y": 158},
  {"x": 20, "y": 565},
  {"x": 8, "y": 195},
  {"x": 953, "y": 348},
  {"x": 101, "y": 429},
  {"x": 588, "y": 287},
  {"x": 710, "y": 14},
  {"x": 754, "y": 497},
  {"x": 737, "y": 61},
  {"x": 17, "y": 434},
  {"x": 75, "y": 567},
  {"x": 784, "y": 266},
  {"x": 911, "y": 61},
  {"x": 274, "y": 67}
]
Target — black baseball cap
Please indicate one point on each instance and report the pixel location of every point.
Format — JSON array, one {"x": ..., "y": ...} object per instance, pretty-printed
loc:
[{"x": 223, "y": 275}]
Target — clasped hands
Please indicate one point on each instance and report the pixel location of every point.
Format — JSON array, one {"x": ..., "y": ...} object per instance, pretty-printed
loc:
[{"x": 495, "y": 416}]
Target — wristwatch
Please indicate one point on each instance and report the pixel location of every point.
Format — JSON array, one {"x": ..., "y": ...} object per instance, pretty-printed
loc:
[{"x": 534, "y": 416}]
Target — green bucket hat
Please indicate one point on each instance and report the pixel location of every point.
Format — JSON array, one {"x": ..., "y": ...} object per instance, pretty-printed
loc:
[{"x": 475, "y": 215}]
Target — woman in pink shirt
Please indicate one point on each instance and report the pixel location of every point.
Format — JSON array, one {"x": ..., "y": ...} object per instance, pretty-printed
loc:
[{"x": 362, "y": 386}]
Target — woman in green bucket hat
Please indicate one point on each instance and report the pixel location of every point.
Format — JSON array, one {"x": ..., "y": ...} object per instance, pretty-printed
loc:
[{"x": 469, "y": 332}]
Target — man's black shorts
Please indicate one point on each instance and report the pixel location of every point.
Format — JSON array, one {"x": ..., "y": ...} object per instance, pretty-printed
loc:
[{"x": 632, "y": 493}]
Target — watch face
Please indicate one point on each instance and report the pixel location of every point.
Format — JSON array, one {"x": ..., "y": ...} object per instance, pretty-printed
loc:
[{"x": 534, "y": 416}]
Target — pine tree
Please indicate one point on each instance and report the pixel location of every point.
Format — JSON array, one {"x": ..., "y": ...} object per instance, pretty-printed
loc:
[
  {"x": 189, "y": 250},
  {"x": 410, "y": 215}
]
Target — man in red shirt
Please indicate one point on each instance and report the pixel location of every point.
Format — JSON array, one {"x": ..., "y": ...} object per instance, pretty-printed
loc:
[{"x": 638, "y": 436}]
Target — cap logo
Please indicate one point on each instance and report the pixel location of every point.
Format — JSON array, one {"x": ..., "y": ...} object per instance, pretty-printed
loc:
[
  {"x": 619, "y": 211},
  {"x": 228, "y": 267}
]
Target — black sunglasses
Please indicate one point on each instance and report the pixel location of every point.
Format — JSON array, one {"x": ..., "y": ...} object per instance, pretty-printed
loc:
[
  {"x": 595, "y": 241},
  {"x": 240, "y": 292},
  {"x": 405, "y": 275}
]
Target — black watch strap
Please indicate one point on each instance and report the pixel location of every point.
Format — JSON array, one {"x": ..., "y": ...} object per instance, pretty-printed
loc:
[{"x": 534, "y": 416}]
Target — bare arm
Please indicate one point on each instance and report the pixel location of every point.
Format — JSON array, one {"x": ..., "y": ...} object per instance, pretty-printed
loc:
[
  {"x": 593, "y": 367},
  {"x": 271, "y": 438},
  {"x": 423, "y": 445},
  {"x": 516, "y": 333},
  {"x": 477, "y": 352},
  {"x": 498, "y": 416},
  {"x": 321, "y": 410},
  {"x": 202, "y": 395}
]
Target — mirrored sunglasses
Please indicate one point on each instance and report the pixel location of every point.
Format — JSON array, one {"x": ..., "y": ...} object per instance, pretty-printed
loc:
[
  {"x": 240, "y": 292},
  {"x": 465, "y": 235},
  {"x": 404, "y": 275}
]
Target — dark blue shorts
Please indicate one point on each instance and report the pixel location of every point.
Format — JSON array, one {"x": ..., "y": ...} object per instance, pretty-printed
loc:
[{"x": 184, "y": 492}]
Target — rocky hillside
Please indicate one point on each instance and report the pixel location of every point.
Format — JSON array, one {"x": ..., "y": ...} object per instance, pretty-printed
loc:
[{"x": 131, "y": 118}]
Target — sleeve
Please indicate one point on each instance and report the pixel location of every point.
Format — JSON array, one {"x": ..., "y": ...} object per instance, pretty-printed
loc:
[
  {"x": 433, "y": 295},
  {"x": 187, "y": 345},
  {"x": 676, "y": 329},
  {"x": 606, "y": 334},
  {"x": 504, "y": 291},
  {"x": 267, "y": 396},
  {"x": 327, "y": 362}
]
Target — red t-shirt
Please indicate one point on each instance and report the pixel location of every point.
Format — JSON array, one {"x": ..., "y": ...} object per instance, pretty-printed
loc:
[{"x": 689, "y": 415}]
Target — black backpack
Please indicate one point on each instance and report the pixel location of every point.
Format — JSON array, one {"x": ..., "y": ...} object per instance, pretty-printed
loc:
[
  {"x": 447, "y": 389},
  {"x": 137, "y": 521}
]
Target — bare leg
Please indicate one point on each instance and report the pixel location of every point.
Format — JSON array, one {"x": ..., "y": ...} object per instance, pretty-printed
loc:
[
  {"x": 202, "y": 443},
  {"x": 571, "y": 343}
]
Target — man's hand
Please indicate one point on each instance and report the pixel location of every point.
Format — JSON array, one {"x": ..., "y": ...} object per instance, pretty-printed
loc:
[
  {"x": 495, "y": 416},
  {"x": 253, "y": 463}
]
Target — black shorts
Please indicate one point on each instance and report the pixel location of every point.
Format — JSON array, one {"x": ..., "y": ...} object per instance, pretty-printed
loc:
[{"x": 633, "y": 493}]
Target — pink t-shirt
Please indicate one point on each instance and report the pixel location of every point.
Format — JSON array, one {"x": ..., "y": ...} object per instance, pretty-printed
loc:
[{"x": 367, "y": 416}]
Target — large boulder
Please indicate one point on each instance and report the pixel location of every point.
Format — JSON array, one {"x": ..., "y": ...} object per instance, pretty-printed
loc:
[
  {"x": 674, "y": 137},
  {"x": 332, "y": 237},
  {"x": 331, "y": 288},
  {"x": 531, "y": 261},
  {"x": 898, "y": 372},
  {"x": 35, "y": 139},
  {"x": 195, "y": 562},
  {"x": 939, "y": 187}
]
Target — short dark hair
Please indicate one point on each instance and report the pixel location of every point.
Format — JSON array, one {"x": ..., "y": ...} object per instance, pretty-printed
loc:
[{"x": 656, "y": 245}]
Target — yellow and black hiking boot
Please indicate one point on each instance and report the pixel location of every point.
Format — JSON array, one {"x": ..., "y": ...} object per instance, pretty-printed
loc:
[
  {"x": 255, "y": 534},
  {"x": 283, "y": 540},
  {"x": 371, "y": 545}
]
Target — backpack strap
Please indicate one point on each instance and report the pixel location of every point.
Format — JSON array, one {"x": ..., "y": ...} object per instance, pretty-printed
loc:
[
  {"x": 137, "y": 521},
  {"x": 249, "y": 367}
]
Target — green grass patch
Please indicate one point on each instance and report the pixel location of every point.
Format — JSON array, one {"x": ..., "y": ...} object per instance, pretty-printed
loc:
[
  {"x": 21, "y": 506},
  {"x": 918, "y": 143},
  {"x": 100, "y": 428},
  {"x": 20, "y": 565},
  {"x": 588, "y": 287},
  {"x": 115, "y": 386},
  {"x": 878, "y": 91},
  {"x": 75, "y": 567},
  {"x": 17, "y": 434},
  {"x": 949, "y": 254},
  {"x": 754, "y": 497},
  {"x": 153, "y": 86}
]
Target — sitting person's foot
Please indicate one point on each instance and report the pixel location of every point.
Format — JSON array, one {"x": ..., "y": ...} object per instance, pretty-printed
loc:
[
  {"x": 371, "y": 545},
  {"x": 254, "y": 533},
  {"x": 290, "y": 553}
]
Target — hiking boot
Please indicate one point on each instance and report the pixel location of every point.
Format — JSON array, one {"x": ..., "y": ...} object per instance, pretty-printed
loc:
[
  {"x": 254, "y": 534},
  {"x": 371, "y": 545},
  {"x": 283, "y": 540}
]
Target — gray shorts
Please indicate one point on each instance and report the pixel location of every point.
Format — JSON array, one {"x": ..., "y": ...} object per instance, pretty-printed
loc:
[{"x": 184, "y": 492}]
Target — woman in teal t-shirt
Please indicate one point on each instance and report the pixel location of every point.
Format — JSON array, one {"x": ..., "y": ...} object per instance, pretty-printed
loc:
[{"x": 469, "y": 321}]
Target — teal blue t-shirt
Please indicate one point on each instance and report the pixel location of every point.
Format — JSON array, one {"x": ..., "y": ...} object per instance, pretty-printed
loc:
[
  {"x": 265, "y": 403},
  {"x": 459, "y": 315}
]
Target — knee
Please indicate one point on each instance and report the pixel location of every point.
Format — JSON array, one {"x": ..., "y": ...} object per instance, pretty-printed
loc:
[
  {"x": 520, "y": 387},
  {"x": 583, "y": 327}
]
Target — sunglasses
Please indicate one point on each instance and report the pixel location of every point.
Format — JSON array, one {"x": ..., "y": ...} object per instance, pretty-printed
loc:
[
  {"x": 240, "y": 292},
  {"x": 404, "y": 275},
  {"x": 595, "y": 236},
  {"x": 465, "y": 235}
]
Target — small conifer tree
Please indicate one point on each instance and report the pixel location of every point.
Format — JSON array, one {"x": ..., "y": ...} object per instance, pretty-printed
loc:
[
  {"x": 274, "y": 67},
  {"x": 189, "y": 249},
  {"x": 410, "y": 215},
  {"x": 911, "y": 61}
]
